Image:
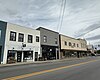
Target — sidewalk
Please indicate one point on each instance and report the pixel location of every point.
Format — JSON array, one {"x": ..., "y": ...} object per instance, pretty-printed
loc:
[{"x": 39, "y": 62}]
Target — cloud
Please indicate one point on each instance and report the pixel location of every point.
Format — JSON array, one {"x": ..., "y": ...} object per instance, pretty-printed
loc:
[
  {"x": 86, "y": 30},
  {"x": 94, "y": 37},
  {"x": 81, "y": 16}
]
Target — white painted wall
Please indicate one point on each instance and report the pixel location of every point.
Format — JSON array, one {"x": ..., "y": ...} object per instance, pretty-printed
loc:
[{"x": 9, "y": 45}]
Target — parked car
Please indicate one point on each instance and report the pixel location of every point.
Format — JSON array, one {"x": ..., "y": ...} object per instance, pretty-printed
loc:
[{"x": 93, "y": 54}]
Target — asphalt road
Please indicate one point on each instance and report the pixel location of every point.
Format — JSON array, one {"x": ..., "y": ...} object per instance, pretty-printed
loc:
[{"x": 79, "y": 69}]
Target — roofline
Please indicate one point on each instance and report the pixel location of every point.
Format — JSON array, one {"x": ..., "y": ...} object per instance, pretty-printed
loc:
[
  {"x": 72, "y": 37},
  {"x": 18, "y": 25},
  {"x": 68, "y": 36},
  {"x": 47, "y": 29}
]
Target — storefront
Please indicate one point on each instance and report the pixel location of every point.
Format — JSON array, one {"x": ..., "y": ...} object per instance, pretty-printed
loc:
[
  {"x": 19, "y": 56},
  {"x": 49, "y": 52},
  {"x": 68, "y": 54},
  {"x": 11, "y": 56},
  {"x": 28, "y": 56}
]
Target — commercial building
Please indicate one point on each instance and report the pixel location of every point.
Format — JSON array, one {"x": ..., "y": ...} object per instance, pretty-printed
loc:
[
  {"x": 91, "y": 49},
  {"x": 71, "y": 47},
  {"x": 49, "y": 44},
  {"x": 23, "y": 44},
  {"x": 2, "y": 38},
  {"x": 18, "y": 44}
]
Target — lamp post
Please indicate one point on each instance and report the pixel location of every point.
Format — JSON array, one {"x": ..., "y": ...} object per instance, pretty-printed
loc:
[
  {"x": 56, "y": 53},
  {"x": 23, "y": 45},
  {"x": 22, "y": 55}
]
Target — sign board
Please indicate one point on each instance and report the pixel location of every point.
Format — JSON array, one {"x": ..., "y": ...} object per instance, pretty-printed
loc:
[{"x": 12, "y": 51}]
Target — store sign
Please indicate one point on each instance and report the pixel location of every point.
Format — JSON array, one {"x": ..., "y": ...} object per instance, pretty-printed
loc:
[{"x": 12, "y": 52}]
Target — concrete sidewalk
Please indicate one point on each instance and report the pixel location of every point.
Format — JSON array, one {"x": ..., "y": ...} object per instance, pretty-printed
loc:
[{"x": 40, "y": 62}]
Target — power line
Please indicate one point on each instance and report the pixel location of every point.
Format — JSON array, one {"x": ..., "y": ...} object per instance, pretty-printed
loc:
[
  {"x": 59, "y": 17},
  {"x": 62, "y": 11},
  {"x": 62, "y": 16}
]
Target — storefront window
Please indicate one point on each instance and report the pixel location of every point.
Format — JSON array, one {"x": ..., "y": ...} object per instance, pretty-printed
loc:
[
  {"x": 28, "y": 55},
  {"x": 11, "y": 56}
]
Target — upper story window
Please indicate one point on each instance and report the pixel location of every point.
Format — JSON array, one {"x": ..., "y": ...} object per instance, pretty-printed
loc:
[
  {"x": 45, "y": 39},
  {"x": 56, "y": 42},
  {"x": 81, "y": 45},
  {"x": 21, "y": 37},
  {"x": 77, "y": 45},
  {"x": 73, "y": 44},
  {"x": 30, "y": 38},
  {"x": 12, "y": 36},
  {"x": 37, "y": 38},
  {"x": 65, "y": 43},
  {"x": 70, "y": 44}
]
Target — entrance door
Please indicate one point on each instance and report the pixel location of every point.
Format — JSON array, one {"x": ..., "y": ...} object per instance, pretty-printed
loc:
[
  {"x": 36, "y": 56},
  {"x": 19, "y": 56},
  {"x": 0, "y": 54}
]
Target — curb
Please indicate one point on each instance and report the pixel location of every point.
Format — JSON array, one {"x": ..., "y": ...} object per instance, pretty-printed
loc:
[{"x": 40, "y": 62}]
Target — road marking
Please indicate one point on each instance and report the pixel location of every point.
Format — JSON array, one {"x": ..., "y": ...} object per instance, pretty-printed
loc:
[{"x": 46, "y": 71}]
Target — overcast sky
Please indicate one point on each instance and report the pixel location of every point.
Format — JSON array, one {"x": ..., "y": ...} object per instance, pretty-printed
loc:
[{"x": 81, "y": 19}]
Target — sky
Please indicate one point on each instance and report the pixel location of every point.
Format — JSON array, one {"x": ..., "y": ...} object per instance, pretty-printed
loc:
[{"x": 81, "y": 17}]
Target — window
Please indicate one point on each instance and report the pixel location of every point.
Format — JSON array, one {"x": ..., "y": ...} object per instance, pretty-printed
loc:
[
  {"x": 73, "y": 44},
  {"x": 45, "y": 38},
  {"x": 56, "y": 42},
  {"x": 69, "y": 43},
  {"x": 21, "y": 37},
  {"x": 37, "y": 38},
  {"x": 82, "y": 45},
  {"x": 77, "y": 45},
  {"x": 12, "y": 36},
  {"x": 30, "y": 38},
  {"x": 28, "y": 55},
  {"x": 65, "y": 43},
  {"x": 36, "y": 56}
]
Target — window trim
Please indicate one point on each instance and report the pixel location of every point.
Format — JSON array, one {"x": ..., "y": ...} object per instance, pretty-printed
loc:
[
  {"x": 37, "y": 39},
  {"x": 44, "y": 40},
  {"x": 56, "y": 41},
  {"x": 74, "y": 45},
  {"x": 30, "y": 40},
  {"x": 65, "y": 43},
  {"x": 77, "y": 45},
  {"x": 14, "y": 37},
  {"x": 19, "y": 39},
  {"x": 70, "y": 44}
]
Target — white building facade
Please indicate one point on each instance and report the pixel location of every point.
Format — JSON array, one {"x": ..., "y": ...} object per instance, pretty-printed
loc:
[{"x": 21, "y": 44}]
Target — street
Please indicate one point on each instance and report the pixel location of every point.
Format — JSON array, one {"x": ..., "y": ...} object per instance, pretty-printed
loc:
[{"x": 77, "y": 69}]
